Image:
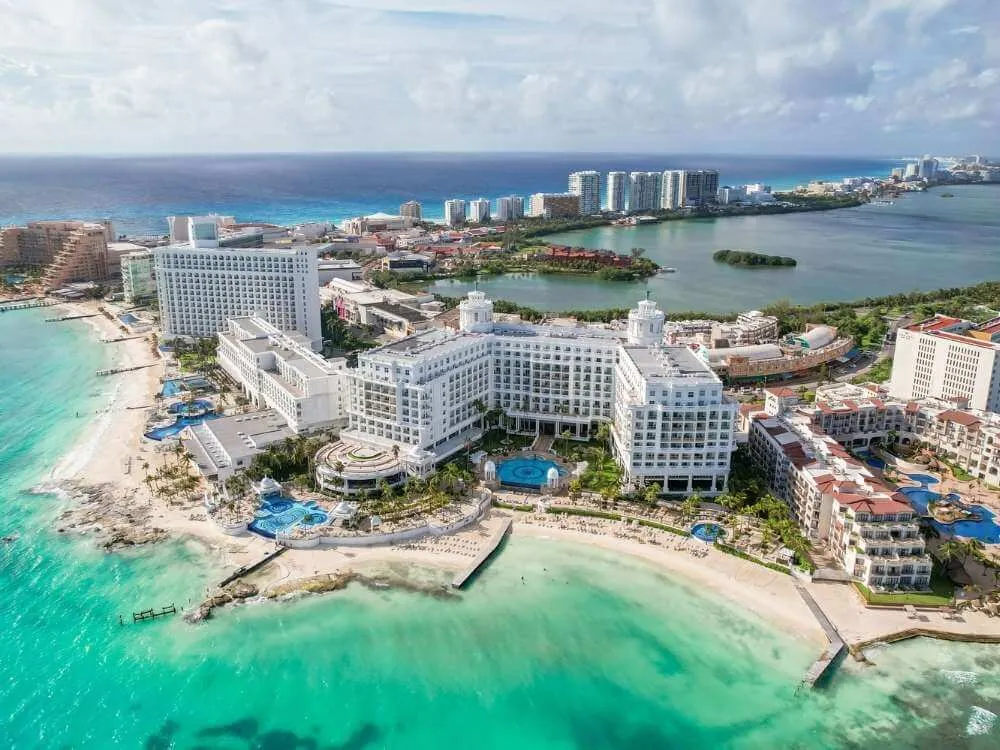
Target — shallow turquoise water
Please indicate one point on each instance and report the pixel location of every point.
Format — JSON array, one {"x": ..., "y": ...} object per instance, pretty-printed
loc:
[{"x": 590, "y": 651}]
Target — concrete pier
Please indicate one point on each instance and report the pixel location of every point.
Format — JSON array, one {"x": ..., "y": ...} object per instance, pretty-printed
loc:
[
  {"x": 832, "y": 653},
  {"x": 462, "y": 578}
]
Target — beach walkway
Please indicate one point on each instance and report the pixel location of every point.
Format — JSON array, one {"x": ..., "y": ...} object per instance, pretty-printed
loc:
[
  {"x": 833, "y": 652},
  {"x": 462, "y": 578}
]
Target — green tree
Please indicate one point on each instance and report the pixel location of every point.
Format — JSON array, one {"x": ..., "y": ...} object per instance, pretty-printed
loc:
[
  {"x": 690, "y": 507},
  {"x": 651, "y": 492}
]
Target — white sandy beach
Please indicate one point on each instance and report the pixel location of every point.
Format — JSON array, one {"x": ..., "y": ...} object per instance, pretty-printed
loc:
[{"x": 102, "y": 458}]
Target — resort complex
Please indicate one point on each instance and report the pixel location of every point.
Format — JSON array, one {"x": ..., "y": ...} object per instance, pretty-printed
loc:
[{"x": 324, "y": 397}]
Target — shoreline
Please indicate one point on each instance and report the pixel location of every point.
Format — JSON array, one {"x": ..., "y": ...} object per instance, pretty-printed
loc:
[{"x": 107, "y": 495}]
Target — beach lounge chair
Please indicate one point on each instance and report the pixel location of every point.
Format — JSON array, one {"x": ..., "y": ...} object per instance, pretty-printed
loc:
[{"x": 910, "y": 610}]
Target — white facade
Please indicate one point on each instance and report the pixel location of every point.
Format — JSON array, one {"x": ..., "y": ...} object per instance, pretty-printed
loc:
[
  {"x": 672, "y": 423},
  {"x": 479, "y": 210},
  {"x": 587, "y": 185},
  {"x": 454, "y": 212},
  {"x": 137, "y": 277},
  {"x": 943, "y": 358},
  {"x": 280, "y": 371},
  {"x": 616, "y": 191},
  {"x": 423, "y": 394},
  {"x": 200, "y": 288},
  {"x": 672, "y": 189}
]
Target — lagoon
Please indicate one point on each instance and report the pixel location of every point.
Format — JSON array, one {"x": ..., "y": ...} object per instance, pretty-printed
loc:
[{"x": 922, "y": 242}]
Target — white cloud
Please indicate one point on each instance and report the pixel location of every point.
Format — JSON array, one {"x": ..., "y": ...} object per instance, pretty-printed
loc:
[{"x": 777, "y": 75}]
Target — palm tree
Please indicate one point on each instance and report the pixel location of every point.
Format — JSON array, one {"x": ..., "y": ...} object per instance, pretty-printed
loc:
[
  {"x": 691, "y": 506},
  {"x": 565, "y": 435},
  {"x": 950, "y": 550},
  {"x": 395, "y": 452},
  {"x": 603, "y": 436}
]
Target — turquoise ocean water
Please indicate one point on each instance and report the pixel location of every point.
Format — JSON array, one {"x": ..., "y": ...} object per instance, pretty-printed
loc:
[{"x": 590, "y": 651}]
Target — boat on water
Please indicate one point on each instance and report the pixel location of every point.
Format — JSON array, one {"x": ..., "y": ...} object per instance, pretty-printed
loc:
[
  {"x": 668, "y": 269},
  {"x": 883, "y": 203}
]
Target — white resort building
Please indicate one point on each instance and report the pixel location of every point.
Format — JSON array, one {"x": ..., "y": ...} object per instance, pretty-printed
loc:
[
  {"x": 946, "y": 357},
  {"x": 200, "y": 286},
  {"x": 420, "y": 399},
  {"x": 280, "y": 371}
]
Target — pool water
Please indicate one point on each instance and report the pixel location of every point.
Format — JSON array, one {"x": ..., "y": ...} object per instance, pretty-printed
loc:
[
  {"x": 196, "y": 408},
  {"x": 924, "y": 479},
  {"x": 128, "y": 319},
  {"x": 872, "y": 460},
  {"x": 986, "y": 530},
  {"x": 530, "y": 472},
  {"x": 707, "y": 532},
  {"x": 162, "y": 433},
  {"x": 179, "y": 386},
  {"x": 280, "y": 515}
]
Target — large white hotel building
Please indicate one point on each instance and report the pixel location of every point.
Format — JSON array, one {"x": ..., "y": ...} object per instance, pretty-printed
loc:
[
  {"x": 201, "y": 285},
  {"x": 421, "y": 397},
  {"x": 945, "y": 357}
]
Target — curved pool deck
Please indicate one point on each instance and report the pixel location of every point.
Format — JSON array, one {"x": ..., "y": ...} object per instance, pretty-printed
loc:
[
  {"x": 280, "y": 515},
  {"x": 707, "y": 531},
  {"x": 986, "y": 529},
  {"x": 172, "y": 430},
  {"x": 527, "y": 471}
]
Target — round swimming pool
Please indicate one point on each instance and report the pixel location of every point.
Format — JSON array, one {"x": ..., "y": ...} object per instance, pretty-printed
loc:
[
  {"x": 707, "y": 531},
  {"x": 530, "y": 472}
]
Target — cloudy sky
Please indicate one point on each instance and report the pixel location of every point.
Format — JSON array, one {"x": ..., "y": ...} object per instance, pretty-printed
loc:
[{"x": 859, "y": 77}]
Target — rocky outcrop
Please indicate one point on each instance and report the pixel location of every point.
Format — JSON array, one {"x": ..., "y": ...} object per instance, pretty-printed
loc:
[
  {"x": 111, "y": 515},
  {"x": 236, "y": 592}
]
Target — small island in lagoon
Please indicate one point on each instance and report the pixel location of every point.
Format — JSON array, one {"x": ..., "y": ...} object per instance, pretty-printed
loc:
[{"x": 749, "y": 259}]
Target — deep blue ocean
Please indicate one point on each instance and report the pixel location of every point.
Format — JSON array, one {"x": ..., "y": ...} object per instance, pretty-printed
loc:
[{"x": 137, "y": 192}]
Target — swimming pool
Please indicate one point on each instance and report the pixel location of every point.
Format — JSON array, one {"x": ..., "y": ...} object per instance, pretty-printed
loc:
[
  {"x": 196, "y": 408},
  {"x": 986, "y": 529},
  {"x": 169, "y": 431},
  {"x": 530, "y": 472},
  {"x": 707, "y": 531},
  {"x": 872, "y": 460},
  {"x": 128, "y": 319},
  {"x": 178, "y": 386},
  {"x": 281, "y": 514}
]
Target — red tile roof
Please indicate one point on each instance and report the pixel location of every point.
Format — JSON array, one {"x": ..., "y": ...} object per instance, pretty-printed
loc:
[
  {"x": 781, "y": 392},
  {"x": 959, "y": 417},
  {"x": 937, "y": 323}
]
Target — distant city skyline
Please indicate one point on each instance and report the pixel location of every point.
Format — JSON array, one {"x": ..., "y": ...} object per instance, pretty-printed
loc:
[{"x": 883, "y": 77}]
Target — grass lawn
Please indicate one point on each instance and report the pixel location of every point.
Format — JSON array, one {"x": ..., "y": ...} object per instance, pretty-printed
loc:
[
  {"x": 940, "y": 595},
  {"x": 493, "y": 440}
]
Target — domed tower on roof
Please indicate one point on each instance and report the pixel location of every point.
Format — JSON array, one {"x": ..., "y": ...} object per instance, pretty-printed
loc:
[
  {"x": 645, "y": 324},
  {"x": 475, "y": 312}
]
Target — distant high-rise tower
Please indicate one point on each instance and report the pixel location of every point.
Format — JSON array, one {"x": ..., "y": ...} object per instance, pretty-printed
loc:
[
  {"x": 510, "y": 207},
  {"x": 588, "y": 186},
  {"x": 927, "y": 168},
  {"x": 700, "y": 187},
  {"x": 616, "y": 191},
  {"x": 672, "y": 189},
  {"x": 454, "y": 212},
  {"x": 479, "y": 210},
  {"x": 644, "y": 191},
  {"x": 410, "y": 210}
]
